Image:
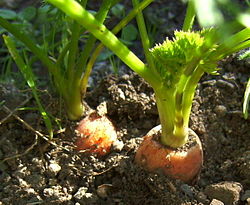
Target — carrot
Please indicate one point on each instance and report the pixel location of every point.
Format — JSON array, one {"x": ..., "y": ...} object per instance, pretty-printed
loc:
[
  {"x": 182, "y": 163},
  {"x": 179, "y": 64},
  {"x": 173, "y": 68},
  {"x": 96, "y": 134}
]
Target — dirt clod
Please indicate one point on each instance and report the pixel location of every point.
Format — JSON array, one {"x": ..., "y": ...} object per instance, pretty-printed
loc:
[{"x": 227, "y": 192}]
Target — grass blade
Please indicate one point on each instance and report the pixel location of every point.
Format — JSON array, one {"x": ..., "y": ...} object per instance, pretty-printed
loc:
[
  {"x": 29, "y": 77},
  {"x": 246, "y": 100}
]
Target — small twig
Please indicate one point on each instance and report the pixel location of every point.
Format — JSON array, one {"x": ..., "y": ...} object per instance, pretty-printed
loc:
[
  {"x": 45, "y": 137},
  {"x": 21, "y": 154},
  {"x": 36, "y": 202},
  {"x": 13, "y": 111},
  {"x": 60, "y": 131},
  {"x": 115, "y": 164},
  {"x": 24, "y": 123},
  {"x": 106, "y": 170},
  {"x": 171, "y": 186}
]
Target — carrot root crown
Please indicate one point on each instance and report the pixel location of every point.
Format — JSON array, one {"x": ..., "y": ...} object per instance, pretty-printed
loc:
[
  {"x": 96, "y": 135},
  {"x": 183, "y": 163}
]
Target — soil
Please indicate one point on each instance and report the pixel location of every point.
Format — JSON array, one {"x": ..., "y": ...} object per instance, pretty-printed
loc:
[
  {"x": 57, "y": 174},
  {"x": 36, "y": 171}
]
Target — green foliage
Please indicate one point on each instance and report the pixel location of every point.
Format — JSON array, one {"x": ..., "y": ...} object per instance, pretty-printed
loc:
[
  {"x": 174, "y": 58},
  {"x": 129, "y": 34},
  {"x": 8, "y": 14},
  {"x": 30, "y": 79},
  {"x": 28, "y": 13},
  {"x": 32, "y": 22},
  {"x": 64, "y": 46},
  {"x": 118, "y": 10}
]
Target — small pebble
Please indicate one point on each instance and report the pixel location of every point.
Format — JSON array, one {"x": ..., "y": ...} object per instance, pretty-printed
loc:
[
  {"x": 102, "y": 108},
  {"x": 103, "y": 190},
  {"x": 220, "y": 110},
  {"x": 125, "y": 77},
  {"x": 83, "y": 197},
  {"x": 54, "y": 168},
  {"x": 81, "y": 192},
  {"x": 121, "y": 94},
  {"x": 216, "y": 202},
  {"x": 48, "y": 192},
  {"x": 131, "y": 144},
  {"x": 118, "y": 145},
  {"x": 201, "y": 197}
]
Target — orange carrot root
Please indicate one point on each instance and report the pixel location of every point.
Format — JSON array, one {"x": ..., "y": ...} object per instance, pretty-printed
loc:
[
  {"x": 96, "y": 134},
  {"x": 183, "y": 163}
]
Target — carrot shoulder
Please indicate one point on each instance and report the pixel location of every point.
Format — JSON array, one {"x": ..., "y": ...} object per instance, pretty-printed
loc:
[
  {"x": 182, "y": 163},
  {"x": 96, "y": 134}
]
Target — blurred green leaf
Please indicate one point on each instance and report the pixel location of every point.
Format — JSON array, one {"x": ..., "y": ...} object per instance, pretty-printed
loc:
[
  {"x": 129, "y": 33},
  {"x": 8, "y": 14},
  {"x": 118, "y": 10},
  {"x": 244, "y": 19},
  {"x": 28, "y": 13},
  {"x": 44, "y": 9},
  {"x": 106, "y": 54},
  {"x": 208, "y": 13}
]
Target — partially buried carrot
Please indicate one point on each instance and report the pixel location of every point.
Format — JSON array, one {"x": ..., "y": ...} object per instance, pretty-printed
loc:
[
  {"x": 182, "y": 163},
  {"x": 96, "y": 134},
  {"x": 173, "y": 149}
]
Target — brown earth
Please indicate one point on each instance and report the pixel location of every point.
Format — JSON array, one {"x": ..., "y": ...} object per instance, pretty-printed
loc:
[
  {"x": 56, "y": 174},
  {"x": 34, "y": 171}
]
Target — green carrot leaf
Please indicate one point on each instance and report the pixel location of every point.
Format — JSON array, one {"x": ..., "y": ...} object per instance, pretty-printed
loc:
[{"x": 182, "y": 54}]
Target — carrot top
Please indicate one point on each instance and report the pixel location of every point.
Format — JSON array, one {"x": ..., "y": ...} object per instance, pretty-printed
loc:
[{"x": 180, "y": 63}]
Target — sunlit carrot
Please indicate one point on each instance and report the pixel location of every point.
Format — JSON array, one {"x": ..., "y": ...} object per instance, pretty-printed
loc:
[
  {"x": 173, "y": 149},
  {"x": 96, "y": 134},
  {"x": 179, "y": 163}
]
